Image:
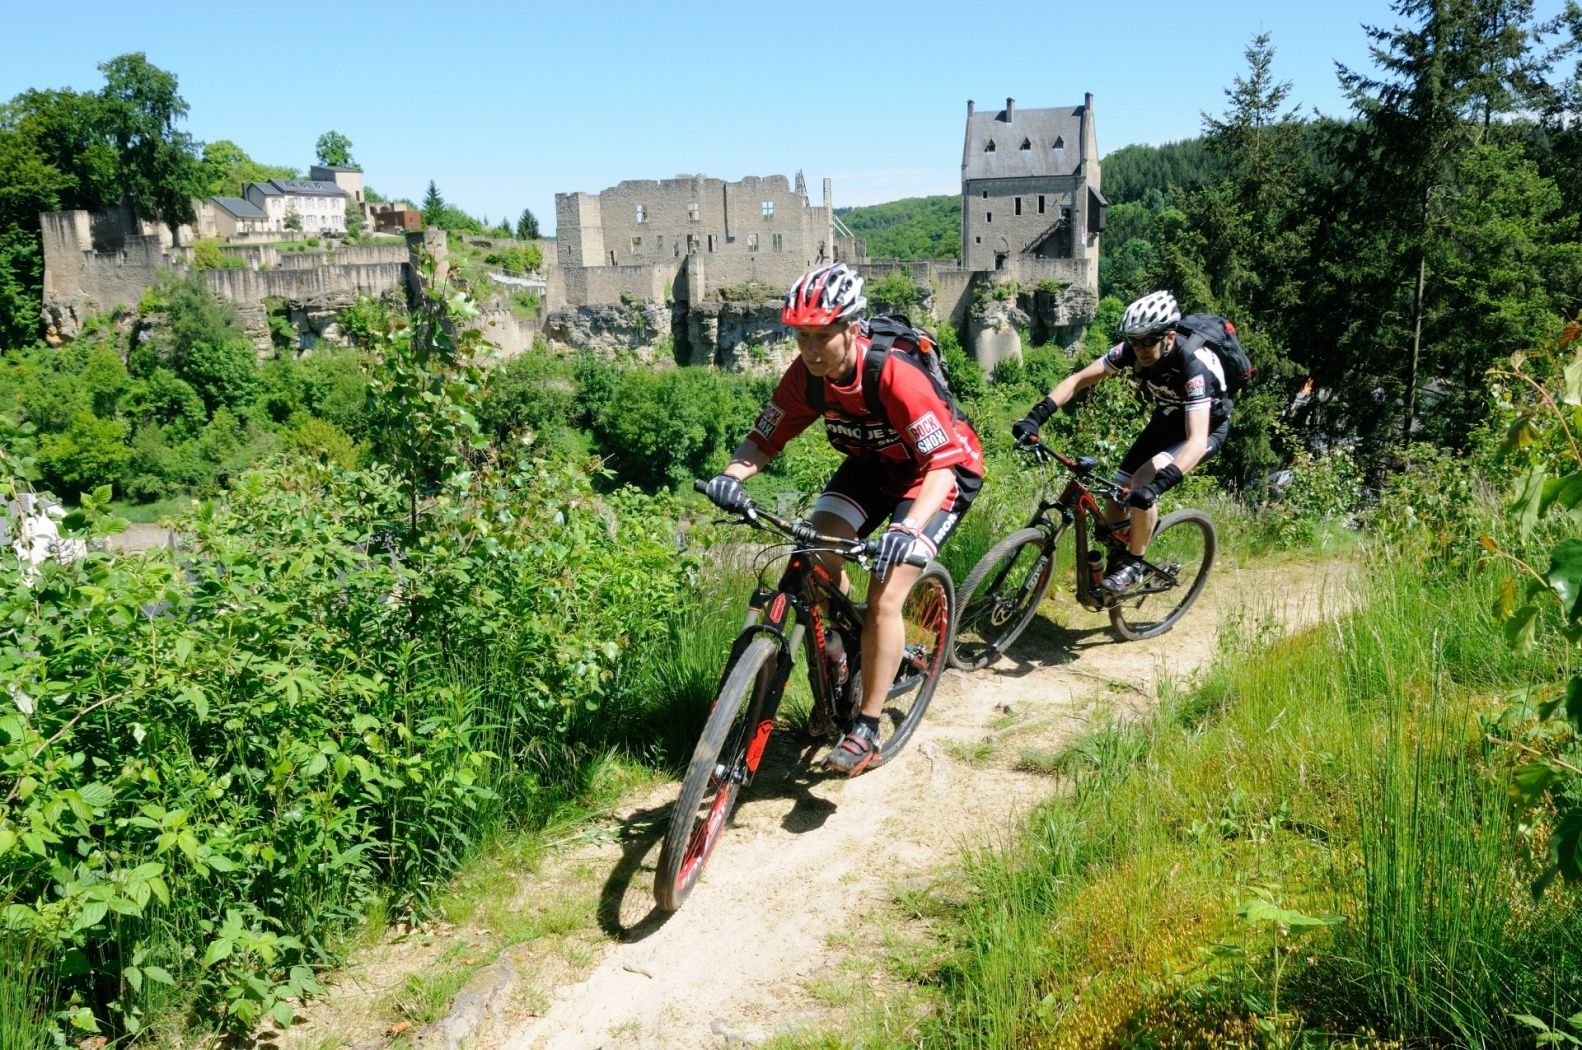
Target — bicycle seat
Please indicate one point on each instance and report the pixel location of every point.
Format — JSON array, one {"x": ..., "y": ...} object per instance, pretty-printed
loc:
[{"x": 1085, "y": 465}]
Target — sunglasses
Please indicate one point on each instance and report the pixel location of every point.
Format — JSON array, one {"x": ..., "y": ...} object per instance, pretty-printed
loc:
[{"x": 1143, "y": 342}]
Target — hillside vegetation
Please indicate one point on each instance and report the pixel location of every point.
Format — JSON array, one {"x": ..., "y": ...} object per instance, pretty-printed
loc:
[{"x": 913, "y": 228}]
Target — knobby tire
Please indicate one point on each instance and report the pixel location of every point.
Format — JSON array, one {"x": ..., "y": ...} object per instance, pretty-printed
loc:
[
  {"x": 714, "y": 776},
  {"x": 1186, "y": 537},
  {"x": 1000, "y": 596}
]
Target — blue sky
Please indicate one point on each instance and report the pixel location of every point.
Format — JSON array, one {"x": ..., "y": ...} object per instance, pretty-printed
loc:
[{"x": 506, "y": 104}]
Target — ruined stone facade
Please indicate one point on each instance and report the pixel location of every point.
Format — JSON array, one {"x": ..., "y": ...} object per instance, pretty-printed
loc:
[
  {"x": 99, "y": 262},
  {"x": 643, "y": 234},
  {"x": 1031, "y": 202}
]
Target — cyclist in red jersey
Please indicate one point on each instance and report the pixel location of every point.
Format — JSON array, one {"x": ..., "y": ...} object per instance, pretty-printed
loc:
[{"x": 917, "y": 463}]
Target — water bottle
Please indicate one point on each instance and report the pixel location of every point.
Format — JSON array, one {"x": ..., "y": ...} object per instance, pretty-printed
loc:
[
  {"x": 835, "y": 656},
  {"x": 1095, "y": 570}
]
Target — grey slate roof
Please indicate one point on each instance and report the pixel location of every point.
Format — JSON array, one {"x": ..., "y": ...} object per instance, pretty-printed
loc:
[
  {"x": 308, "y": 188},
  {"x": 1039, "y": 128},
  {"x": 239, "y": 208},
  {"x": 268, "y": 189}
]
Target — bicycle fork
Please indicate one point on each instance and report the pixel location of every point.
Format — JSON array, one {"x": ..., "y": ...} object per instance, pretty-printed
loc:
[{"x": 769, "y": 613}]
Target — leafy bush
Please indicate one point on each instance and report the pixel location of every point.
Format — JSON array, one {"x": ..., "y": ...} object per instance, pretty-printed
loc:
[
  {"x": 534, "y": 391},
  {"x": 665, "y": 428},
  {"x": 206, "y": 255},
  {"x": 89, "y": 453}
]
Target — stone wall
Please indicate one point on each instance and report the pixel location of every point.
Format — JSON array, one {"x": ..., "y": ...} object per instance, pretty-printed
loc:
[{"x": 759, "y": 229}]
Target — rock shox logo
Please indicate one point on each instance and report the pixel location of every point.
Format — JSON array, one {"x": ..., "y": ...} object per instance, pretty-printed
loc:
[
  {"x": 1196, "y": 388},
  {"x": 769, "y": 419},
  {"x": 926, "y": 432}
]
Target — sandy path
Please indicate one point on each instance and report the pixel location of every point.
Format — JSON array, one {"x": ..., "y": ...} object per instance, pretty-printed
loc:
[{"x": 805, "y": 851}]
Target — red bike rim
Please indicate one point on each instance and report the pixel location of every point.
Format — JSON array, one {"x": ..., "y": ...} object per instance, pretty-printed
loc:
[{"x": 705, "y": 835}]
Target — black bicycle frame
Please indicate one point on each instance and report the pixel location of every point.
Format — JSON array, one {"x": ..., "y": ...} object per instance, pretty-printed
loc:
[{"x": 783, "y": 613}]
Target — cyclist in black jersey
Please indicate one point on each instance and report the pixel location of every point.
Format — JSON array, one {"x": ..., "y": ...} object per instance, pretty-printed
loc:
[{"x": 1190, "y": 421}]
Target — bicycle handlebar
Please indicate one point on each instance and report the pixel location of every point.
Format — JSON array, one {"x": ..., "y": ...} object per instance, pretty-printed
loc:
[{"x": 801, "y": 531}]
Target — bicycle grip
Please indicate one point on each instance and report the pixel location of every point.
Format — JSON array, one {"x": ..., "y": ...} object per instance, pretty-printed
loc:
[{"x": 699, "y": 485}]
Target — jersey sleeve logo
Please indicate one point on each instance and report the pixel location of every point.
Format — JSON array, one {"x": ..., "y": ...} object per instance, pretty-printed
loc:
[
  {"x": 926, "y": 432},
  {"x": 769, "y": 419},
  {"x": 1196, "y": 388}
]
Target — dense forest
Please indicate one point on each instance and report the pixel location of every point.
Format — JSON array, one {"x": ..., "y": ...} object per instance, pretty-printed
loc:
[{"x": 422, "y": 604}]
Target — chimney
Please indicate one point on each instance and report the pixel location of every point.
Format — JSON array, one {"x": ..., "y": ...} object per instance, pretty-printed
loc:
[
  {"x": 1010, "y": 110},
  {"x": 969, "y": 108}
]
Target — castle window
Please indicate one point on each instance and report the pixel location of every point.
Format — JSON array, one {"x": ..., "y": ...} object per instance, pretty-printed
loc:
[
  {"x": 1040, "y": 204},
  {"x": 637, "y": 242},
  {"x": 988, "y": 216},
  {"x": 769, "y": 209},
  {"x": 1060, "y": 143},
  {"x": 985, "y": 194},
  {"x": 752, "y": 242},
  {"x": 659, "y": 243},
  {"x": 711, "y": 242},
  {"x": 990, "y": 147},
  {"x": 1018, "y": 205},
  {"x": 778, "y": 240},
  {"x": 1027, "y": 143},
  {"x": 692, "y": 211},
  {"x": 642, "y": 213},
  {"x": 977, "y": 240}
]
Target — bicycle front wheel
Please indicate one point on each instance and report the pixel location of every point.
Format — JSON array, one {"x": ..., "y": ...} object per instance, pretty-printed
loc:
[
  {"x": 733, "y": 739},
  {"x": 929, "y": 616},
  {"x": 1000, "y": 596},
  {"x": 1182, "y": 552}
]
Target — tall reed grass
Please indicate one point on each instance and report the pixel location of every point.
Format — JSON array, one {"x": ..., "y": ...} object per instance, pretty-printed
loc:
[{"x": 1340, "y": 775}]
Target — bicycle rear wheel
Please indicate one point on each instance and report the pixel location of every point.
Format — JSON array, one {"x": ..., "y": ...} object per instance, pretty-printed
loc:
[
  {"x": 929, "y": 618},
  {"x": 1182, "y": 551},
  {"x": 1000, "y": 596},
  {"x": 733, "y": 738}
]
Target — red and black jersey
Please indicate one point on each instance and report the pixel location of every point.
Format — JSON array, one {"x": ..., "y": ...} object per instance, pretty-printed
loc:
[{"x": 916, "y": 433}]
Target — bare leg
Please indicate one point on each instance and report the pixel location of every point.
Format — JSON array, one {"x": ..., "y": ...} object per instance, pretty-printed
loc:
[{"x": 884, "y": 635}]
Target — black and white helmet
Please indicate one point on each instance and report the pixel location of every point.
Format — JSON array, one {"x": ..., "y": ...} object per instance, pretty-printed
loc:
[{"x": 1153, "y": 314}]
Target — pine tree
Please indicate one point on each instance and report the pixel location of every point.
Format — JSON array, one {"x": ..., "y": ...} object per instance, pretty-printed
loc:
[
  {"x": 433, "y": 204},
  {"x": 526, "y": 226}
]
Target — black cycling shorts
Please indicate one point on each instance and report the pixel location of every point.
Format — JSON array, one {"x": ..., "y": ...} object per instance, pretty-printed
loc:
[
  {"x": 854, "y": 495},
  {"x": 1166, "y": 433}
]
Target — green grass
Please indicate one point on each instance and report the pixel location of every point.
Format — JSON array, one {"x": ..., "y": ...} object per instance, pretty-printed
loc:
[{"x": 1340, "y": 774}]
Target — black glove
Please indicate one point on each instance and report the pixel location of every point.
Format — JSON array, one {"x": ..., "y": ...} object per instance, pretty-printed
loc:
[
  {"x": 894, "y": 547},
  {"x": 1145, "y": 496},
  {"x": 727, "y": 493},
  {"x": 1027, "y": 427}
]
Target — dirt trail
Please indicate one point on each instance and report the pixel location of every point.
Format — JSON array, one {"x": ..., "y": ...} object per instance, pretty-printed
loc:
[{"x": 793, "y": 899}]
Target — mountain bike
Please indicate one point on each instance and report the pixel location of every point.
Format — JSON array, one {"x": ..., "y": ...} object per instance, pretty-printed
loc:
[
  {"x": 1004, "y": 590},
  {"x": 731, "y": 748}
]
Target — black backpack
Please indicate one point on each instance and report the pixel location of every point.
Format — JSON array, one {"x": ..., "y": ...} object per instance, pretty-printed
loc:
[
  {"x": 894, "y": 332},
  {"x": 1219, "y": 335}
]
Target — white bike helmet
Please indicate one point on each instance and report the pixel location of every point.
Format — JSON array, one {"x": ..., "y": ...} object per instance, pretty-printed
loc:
[
  {"x": 1153, "y": 314},
  {"x": 823, "y": 296}
]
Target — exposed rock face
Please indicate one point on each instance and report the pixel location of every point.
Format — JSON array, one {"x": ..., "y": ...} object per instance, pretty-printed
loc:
[
  {"x": 1060, "y": 317},
  {"x": 635, "y": 327},
  {"x": 738, "y": 337},
  {"x": 994, "y": 332}
]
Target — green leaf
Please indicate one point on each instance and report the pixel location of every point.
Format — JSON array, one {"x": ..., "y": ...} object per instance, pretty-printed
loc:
[
  {"x": 219, "y": 949},
  {"x": 1565, "y": 576},
  {"x": 1574, "y": 703},
  {"x": 1532, "y": 780},
  {"x": 283, "y": 1012},
  {"x": 1521, "y": 628},
  {"x": 1260, "y": 912},
  {"x": 134, "y": 977},
  {"x": 159, "y": 975},
  {"x": 1565, "y": 845},
  {"x": 1573, "y": 373},
  {"x": 96, "y": 795},
  {"x": 1565, "y": 490},
  {"x": 82, "y": 1020},
  {"x": 91, "y": 915},
  {"x": 1527, "y": 504}
]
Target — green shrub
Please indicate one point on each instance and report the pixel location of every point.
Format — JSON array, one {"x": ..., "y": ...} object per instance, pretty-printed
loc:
[
  {"x": 534, "y": 391},
  {"x": 665, "y": 428},
  {"x": 89, "y": 453}
]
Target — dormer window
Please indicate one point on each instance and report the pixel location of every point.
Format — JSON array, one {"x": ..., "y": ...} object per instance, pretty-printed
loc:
[
  {"x": 1060, "y": 143},
  {"x": 990, "y": 147},
  {"x": 1027, "y": 143}
]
